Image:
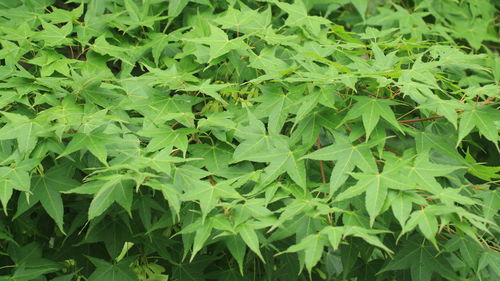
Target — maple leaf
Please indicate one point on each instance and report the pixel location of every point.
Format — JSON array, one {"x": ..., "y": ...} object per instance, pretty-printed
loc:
[
  {"x": 371, "y": 109},
  {"x": 347, "y": 157},
  {"x": 482, "y": 117},
  {"x": 422, "y": 260},
  {"x": 208, "y": 194},
  {"x": 376, "y": 186},
  {"x": 297, "y": 16},
  {"x": 219, "y": 43}
]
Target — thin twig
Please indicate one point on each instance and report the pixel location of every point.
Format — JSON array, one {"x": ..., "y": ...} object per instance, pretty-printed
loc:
[
  {"x": 421, "y": 119},
  {"x": 321, "y": 167},
  {"x": 323, "y": 177},
  {"x": 489, "y": 100}
]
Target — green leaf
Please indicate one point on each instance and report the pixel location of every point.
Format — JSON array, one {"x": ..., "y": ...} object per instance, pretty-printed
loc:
[
  {"x": 371, "y": 109},
  {"x": 245, "y": 20},
  {"x": 348, "y": 156},
  {"x": 401, "y": 207},
  {"x": 165, "y": 137},
  {"x": 95, "y": 142},
  {"x": 208, "y": 89},
  {"x": 313, "y": 246},
  {"x": 175, "y": 7},
  {"x": 116, "y": 188},
  {"x": 297, "y": 16},
  {"x": 424, "y": 173},
  {"x": 237, "y": 248},
  {"x": 334, "y": 234},
  {"x": 208, "y": 194},
  {"x": 376, "y": 185},
  {"x": 200, "y": 237},
  {"x": 421, "y": 260},
  {"x": 47, "y": 188},
  {"x": 112, "y": 272},
  {"x": 427, "y": 223},
  {"x": 23, "y": 129},
  {"x": 249, "y": 236},
  {"x": 482, "y": 117},
  {"x": 54, "y": 36},
  {"x": 219, "y": 43}
]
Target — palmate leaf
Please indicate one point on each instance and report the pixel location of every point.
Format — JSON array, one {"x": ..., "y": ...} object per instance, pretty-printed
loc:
[
  {"x": 23, "y": 129},
  {"x": 280, "y": 159},
  {"x": 30, "y": 264},
  {"x": 208, "y": 194},
  {"x": 54, "y": 36},
  {"x": 313, "y": 246},
  {"x": 423, "y": 173},
  {"x": 371, "y": 109},
  {"x": 15, "y": 177},
  {"x": 112, "y": 272},
  {"x": 482, "y": 117},
  {"x": 376, "y": 186},
  {"x": 165, "y": 138},
  {"x": 219, "y": 43},
  {"x": 47, "y": 189},
  {"x": 258, "y": 138},
  {"x": 421, "y": 260},
  {"x": 348, "y": 156},
  {"x": 298, "y": 16},
  {"x": 95, "y": 142},
  {"x": 245, "y": 20},
  {"x": 216, "y": 158},
  {"x": 115, "y": 188},
  {"x": 208, "y": 89}
]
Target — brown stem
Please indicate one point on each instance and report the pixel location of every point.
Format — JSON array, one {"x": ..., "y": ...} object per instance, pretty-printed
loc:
[
  {"x": 323, "y": 177},
  {"x": 211, "y": 180},
  {"x": 321, "y": 167},
  {"x": 489, "y": 100},
  {"x": 421, "y": 119}
]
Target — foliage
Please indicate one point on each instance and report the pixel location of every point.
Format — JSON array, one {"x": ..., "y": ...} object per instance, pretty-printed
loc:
[{"x": 249, "y": 140}]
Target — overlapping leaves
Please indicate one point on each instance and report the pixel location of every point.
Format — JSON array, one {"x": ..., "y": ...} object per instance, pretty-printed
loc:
[{"x": 257, "y": 138}]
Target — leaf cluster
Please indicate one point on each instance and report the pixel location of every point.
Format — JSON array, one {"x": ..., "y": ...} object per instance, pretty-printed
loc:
[{"x": 249, "y": 140}]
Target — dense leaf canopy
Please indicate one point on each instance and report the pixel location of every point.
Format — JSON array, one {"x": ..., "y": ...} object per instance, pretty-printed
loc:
[{"x": 249, "y": 140}]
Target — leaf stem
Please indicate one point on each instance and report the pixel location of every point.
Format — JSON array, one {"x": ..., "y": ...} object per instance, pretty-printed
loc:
[
  {"x": 323, "y": 177},
  {"x": 421, "y": 119},
  {"x": 321, "y": 167}
]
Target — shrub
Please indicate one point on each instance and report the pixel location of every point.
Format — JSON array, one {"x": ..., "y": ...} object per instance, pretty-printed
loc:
[{"x": 249, "y": 140}]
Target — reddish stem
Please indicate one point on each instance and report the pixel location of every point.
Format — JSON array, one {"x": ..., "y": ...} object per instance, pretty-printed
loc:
[
  {"x": 321, "y": 167},
  {"x": 421, "y": 119},
  {"x": 489, "y": 100}
]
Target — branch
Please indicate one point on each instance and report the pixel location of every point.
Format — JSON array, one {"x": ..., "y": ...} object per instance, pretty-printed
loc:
[
  {"x": 421, "y": 119},
  {"x": 489, "y": 100},
  {"x": 321, "y": 167}
]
